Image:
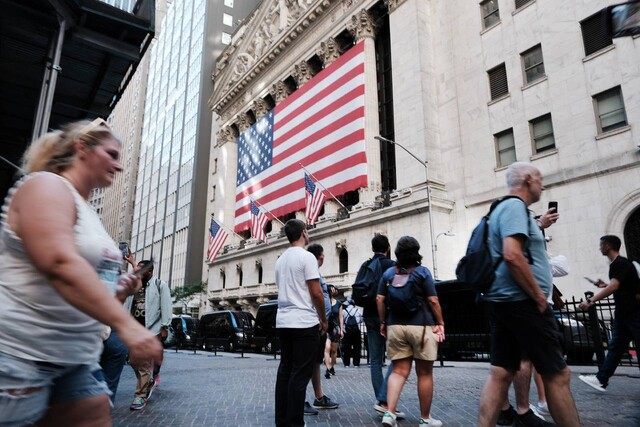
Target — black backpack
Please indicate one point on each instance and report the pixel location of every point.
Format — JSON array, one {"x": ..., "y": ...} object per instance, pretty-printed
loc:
[
  {"x": 403, "y": 298},
  {"x": 351, "y": 326},
  {"x": 365, "y": 287},
  {"x": 477, "y": 268}
]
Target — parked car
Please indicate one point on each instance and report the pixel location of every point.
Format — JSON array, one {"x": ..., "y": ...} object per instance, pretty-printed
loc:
[
  {"x": 264, "y": 332},
  {"x": 183, "y": 332},
  {"x": 467, "y": 327},
  {"x": 230, "y": 330}
]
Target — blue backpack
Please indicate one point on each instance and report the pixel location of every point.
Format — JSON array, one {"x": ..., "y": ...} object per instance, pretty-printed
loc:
[
  {"x": 403, "y": 297},
  {"x": 477, "y": 268}
]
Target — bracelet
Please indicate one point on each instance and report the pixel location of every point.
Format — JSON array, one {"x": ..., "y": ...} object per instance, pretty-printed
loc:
[{"x": 589, "y": 301}]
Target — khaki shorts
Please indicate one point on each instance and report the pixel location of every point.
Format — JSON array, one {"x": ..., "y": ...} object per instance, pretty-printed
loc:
[{"x": 405, "y": 341}]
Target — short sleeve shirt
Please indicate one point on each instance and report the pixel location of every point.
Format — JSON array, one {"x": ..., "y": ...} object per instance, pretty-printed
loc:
[
  {"x": 421, "y": 277},
  {"x": 624, "y": 272},
  {"x": 511, "y": 218},
  {"x": 295, "y": 307}
]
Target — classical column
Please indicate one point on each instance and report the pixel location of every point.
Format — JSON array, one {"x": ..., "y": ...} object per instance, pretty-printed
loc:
[
  {"x": 227, "y": 144},
  {"x": 302, "y": 73},
  {"x": 279, "y": 92},
  {"x": 242, "y": 121},
  {"x": 260, "y": 108},
  {"x": 363, "y": 29},
  {"x": 329, "y": 51}
]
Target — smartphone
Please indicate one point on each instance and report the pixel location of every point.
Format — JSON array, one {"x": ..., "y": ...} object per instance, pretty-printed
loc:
[
  {"x": 141, "y": 272},
  {"x": 593, "y": 282},
  {"x": 553, "y": 205},
  {"x": 622, "y": 20},
  {"x": 124, "y": 248}
]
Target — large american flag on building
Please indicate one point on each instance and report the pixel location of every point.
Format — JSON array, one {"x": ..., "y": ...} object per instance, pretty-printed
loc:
[
  {"x": 320, "y": 126},
  {"x": 314, "y": 200},
  {"x": 217, "y": 237}
]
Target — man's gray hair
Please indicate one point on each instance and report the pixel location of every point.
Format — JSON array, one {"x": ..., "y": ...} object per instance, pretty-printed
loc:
[{"x": 517, "y": 173}]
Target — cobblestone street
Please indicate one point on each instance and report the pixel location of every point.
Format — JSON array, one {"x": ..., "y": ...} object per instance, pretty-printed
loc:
[{"x": 203, "y": 390}]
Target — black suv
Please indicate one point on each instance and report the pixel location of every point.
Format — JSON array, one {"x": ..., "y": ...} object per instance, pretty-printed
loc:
[
  {"x": 264, "y": 333},
  {"x": 229, "y": 330}
]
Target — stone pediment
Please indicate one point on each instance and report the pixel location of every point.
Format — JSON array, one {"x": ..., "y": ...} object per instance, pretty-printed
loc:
[{"x": 264, "y": 35}]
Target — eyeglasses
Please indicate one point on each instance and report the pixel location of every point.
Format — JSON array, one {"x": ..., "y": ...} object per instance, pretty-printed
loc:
[{"x": 93, "y": 126}]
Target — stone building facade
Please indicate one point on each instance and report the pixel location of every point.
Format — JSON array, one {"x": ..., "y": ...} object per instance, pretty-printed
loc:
[{"x": 469, "y": 89}]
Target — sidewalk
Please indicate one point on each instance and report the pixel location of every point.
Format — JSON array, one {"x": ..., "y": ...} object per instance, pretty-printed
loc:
[{"x": 202, "y": 390}]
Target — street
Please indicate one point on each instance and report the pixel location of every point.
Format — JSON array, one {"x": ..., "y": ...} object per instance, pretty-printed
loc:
[{"x": 205, "y": 390}]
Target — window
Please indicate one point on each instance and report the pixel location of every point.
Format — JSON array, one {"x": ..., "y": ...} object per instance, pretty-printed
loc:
[
  {"x": 228, "y": 3},
  {"x": 498, "y": 81},
  {"x": 505, "y": 148},
  {"x": 490, "y": 13},
  {"x": 226, "y": 38},
  {"x": 542, "y": 134},
  {"x": 521, "y": 3},
  {"x": 594, "y": 35},
  {"x": 533, "y": 64},
  {"x": 343, "y": 263},
  {"x": 610, "y": 110},
  {"x": 227, "y": 19},
  {"x": 213, "y": 193}
]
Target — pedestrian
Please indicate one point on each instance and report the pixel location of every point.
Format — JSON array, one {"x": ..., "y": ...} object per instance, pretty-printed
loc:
[
  {"x": 151, "y": 307},
  {"x": 413, "y": 325},
  {"x": 300, "y": 321},
  {"x": 375, "y": 341},
  {"x": 521, "y": 319},
  {"x": 321, "y": 401},
  {"x": 352, "y": 341},
  {"x": 334, "y": 335},
  {"x": 624, "y": 284},
  {"x": 59, "y": 273}
]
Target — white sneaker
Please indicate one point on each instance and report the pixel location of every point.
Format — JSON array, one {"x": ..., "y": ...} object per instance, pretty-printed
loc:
[
  {"x": 430, "y": 422},
  {"x": 382, "y": 409},
  {"x": 389, "y": 420},
  {"x": 593, "y": 381},
  {"x": 543, "y": 408}
]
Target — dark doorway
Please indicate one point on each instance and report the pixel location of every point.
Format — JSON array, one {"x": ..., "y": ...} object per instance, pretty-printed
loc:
[{"x": 632, "y": 235}]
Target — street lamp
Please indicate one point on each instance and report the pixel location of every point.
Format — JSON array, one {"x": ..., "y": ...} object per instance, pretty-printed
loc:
[
  {"x": 435, "y": 269},
  {"x": 426, "y": 172}
]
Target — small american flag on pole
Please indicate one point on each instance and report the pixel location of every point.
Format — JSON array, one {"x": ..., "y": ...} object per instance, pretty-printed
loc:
[
  {"x": 258, "y": 222},
  {"x": 321, "y": 125},
  {"x": 217, "y": 237},
  {"x": 314, "y": 198}
]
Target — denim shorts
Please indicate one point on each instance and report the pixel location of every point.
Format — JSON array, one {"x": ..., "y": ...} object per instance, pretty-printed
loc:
[{"x": 55, "y": 384}]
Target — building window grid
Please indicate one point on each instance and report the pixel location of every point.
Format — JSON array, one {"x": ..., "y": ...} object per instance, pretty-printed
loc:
[
  {"x": 542, "y": 135},
  {"x": 521, "y": 3},
  {"x": 490, "y": 13},
  {"x": 594, "y": 35},
  {"x": 533, "y": 64},
  {"x": 505, "y": 148},
  {"x": 610, "y": 110}
]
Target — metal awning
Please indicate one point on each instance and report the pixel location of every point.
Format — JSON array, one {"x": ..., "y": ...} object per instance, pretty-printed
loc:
[{"x": 100, "y": 48}]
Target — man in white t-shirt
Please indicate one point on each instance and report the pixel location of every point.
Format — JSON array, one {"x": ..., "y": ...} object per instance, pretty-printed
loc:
[{"x": 300, "y": 322}]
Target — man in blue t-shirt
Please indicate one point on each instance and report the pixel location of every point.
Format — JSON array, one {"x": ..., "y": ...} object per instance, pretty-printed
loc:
[{"x": 522, "y": 322}]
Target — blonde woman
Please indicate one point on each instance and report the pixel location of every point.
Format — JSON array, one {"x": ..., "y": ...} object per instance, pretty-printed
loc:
[{"x": 60, "y": 283}]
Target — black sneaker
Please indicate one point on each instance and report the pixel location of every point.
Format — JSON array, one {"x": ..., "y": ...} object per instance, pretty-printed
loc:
[
  {"x": 327, "y": 374},
  {"x": 332, "y": 371},
  {"x": 529, "y": 419},
  {"x": 324, "y": 403},
  {"x": 507, "y": 417},
  {"x": 308, "y": 410}
]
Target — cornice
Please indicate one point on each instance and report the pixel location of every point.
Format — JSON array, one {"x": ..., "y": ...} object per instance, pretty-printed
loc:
[{"x": 281, "y": 23}]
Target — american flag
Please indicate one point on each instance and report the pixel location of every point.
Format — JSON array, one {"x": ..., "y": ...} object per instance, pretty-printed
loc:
[
  {"x": 217, "y": 237},
  {"x": 258, "y": 222},
  {"x": 314, "y": 198},
  {"x": 320, "y": 126}
]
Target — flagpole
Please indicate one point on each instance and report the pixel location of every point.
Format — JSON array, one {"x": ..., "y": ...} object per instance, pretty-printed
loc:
[
  {"x": 267, "y": 210},
  {"x": 325, "y": 188},
  {"x": 224, "y": 226}
]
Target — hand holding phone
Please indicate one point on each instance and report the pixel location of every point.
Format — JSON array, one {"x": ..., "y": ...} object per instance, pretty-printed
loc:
[
  {"x": 593, "y": 282},
  {"x": 553, "y": 205},
  {"x": 124, "y": 248}
]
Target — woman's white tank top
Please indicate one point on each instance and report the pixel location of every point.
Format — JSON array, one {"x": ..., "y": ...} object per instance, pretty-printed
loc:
[{"x": 36, "y": 323}]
